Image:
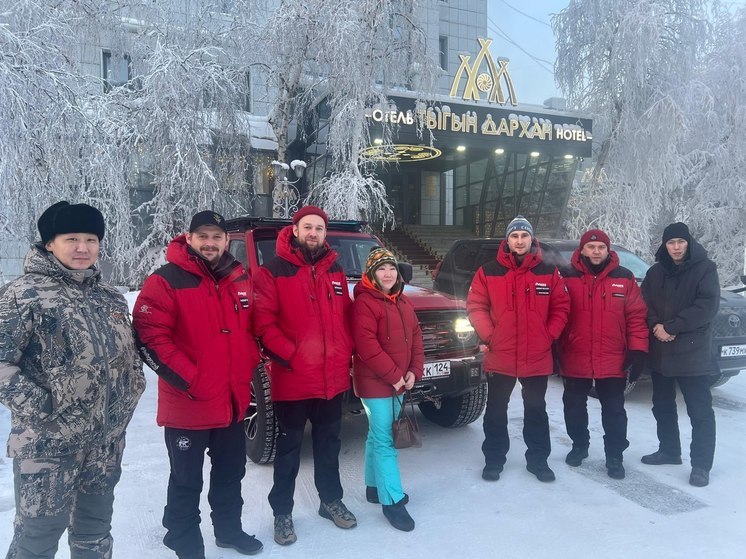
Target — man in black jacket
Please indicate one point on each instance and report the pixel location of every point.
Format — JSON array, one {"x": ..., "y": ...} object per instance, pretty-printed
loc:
[{"x": 682, "y": 292}]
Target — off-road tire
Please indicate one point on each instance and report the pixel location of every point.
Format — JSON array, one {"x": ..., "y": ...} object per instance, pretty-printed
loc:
[
  {"x": 629, "y": 387},
  {"x": 718, "y": 380},
  {"x": 260, "y": 425},
  {"x": 457, "y": 411}
]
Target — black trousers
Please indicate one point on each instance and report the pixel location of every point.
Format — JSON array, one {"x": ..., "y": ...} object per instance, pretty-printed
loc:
[
  {"x": 535, "y": 420},
  {"x": 326, "y": 422},
  {"x": 226, "y": 448},
  {"x": 698, "y": 398},
  {"x": 613, "y": 416}
]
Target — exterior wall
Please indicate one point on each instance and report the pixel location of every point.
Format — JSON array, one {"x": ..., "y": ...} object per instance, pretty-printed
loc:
[{"x": 462, "y": 22}]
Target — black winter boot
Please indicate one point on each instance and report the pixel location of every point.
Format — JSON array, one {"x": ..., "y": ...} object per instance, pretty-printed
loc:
[
  {"x": 398, "y": 516},
  {"x": 542, "y": 471},
  {"x": 241, "y": 542},
  {"x": 491, "y": 472},
  {"x": 371, "y": 495},
  {"x": 699, "y": 477},
  {"x": 659, "y": 457},
  {"x": 615, "y": 468},
  {"x": 576, "y": 456}
]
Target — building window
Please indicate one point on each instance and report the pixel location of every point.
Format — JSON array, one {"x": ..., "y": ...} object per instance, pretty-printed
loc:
[
  {"x": 116, "y": 69},
  {"x": 443, "y": 52}
]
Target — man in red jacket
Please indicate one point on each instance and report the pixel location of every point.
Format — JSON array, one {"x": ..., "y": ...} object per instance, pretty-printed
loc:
[
  {"x": 193, "y": 322},
  {"x": 606, "y": 334},
  {"x": 301, "y": 318},
  {"x": 518, "y": 305}
]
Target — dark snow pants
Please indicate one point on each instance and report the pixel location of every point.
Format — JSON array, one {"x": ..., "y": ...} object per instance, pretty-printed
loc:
[
  {"x": 326, "y": 423},
  {"x": 226, "y": 448},
  {"x": 698, "y": 398},
  {"x": 613, "y": 416},
  {"x": 74, "y": 492},
  {"x": 535, "y": 419}
]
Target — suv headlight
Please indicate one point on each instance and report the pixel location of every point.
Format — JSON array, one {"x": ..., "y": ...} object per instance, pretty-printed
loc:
[{"x": 463, "y": 329}]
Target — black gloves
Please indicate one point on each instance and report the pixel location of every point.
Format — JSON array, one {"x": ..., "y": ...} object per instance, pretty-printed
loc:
[{"x": 635, "y": 363}]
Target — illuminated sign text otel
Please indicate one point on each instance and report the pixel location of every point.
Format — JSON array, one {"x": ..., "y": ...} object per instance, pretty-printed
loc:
[{"x": 513, "y": 126}]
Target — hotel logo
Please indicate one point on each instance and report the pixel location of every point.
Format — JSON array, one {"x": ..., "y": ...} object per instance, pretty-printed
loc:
[{"x": 485, "y": 82}]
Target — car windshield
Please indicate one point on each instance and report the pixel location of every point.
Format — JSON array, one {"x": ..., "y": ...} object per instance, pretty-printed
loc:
[
  {"x": 353, "y": 252},
  {"x": 629, "y": 260}
]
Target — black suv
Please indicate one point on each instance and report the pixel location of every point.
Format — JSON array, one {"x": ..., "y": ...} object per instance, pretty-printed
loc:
[
  {"x": 455, "y": 272},
  {"x": 453, "y": 391}
]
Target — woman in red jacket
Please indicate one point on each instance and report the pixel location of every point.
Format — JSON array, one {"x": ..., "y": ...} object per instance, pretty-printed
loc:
[{"x": 389, "y": 358}]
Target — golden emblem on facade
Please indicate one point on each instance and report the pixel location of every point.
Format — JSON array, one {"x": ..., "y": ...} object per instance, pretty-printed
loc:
[
  {"x": 400, "y": 153},
  {"x": 486, "y": 82}
]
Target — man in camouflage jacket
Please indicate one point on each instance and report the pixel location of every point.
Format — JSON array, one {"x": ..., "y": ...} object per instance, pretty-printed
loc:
[{"x": 71, "y": 377}]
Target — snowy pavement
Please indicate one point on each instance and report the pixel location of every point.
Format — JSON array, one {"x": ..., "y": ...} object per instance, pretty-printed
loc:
[{"x": 653, "y": 513}]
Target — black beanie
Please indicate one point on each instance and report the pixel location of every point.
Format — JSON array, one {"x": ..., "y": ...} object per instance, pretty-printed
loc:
[
  {"x": 64, "y": 217},
  {"x": 677, "y": 230}
]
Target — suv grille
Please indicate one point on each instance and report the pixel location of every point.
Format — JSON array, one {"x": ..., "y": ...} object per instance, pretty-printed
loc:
[
  {"x": 438, "y": 335},
  {"x": 730, "y": 322}
]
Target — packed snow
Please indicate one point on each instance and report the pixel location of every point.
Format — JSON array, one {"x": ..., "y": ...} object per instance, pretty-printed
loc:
[{"x": 653, "y": 513}]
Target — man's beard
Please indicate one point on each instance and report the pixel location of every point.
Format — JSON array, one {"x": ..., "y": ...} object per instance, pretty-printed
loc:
[{"x": 310, "y": 254}]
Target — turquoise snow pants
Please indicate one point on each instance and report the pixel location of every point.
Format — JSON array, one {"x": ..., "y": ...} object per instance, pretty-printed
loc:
[{"x": 381, "y": 465}]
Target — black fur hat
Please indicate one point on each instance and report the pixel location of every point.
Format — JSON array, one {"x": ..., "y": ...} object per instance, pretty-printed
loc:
[{"x": 64, "y": 217}]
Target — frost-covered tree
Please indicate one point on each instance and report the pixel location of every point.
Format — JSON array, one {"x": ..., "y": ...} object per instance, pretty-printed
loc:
[
  {"x": 348, "y": 53},
  {"x": 173, "y": 129},
  {"x": 662, "y": 79}
]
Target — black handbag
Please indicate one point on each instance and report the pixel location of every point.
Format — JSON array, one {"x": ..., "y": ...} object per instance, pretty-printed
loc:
[{"x": 405, "y": 428}]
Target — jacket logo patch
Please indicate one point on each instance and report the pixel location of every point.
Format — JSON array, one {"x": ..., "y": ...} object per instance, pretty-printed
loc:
[
  {"x": 617, "y": 285},
  {"x": 618, "y": 295},
  {"x": 337, "y": 288},
  {"x": 244, "y": 302},
  {"x": 144, "y": 309},
  {"x": 541, "y": 288},
  {"x": 241, "y": 293},
  {"x": 183, "y": 443}
]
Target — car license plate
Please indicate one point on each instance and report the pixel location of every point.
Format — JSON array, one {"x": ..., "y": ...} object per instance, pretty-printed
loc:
[
  {"x": 733, "y": 350},
  {"x": 437, "y": 369}
]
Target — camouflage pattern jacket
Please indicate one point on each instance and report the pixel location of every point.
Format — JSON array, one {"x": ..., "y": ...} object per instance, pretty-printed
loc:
[{"x": 69, "y": 368}]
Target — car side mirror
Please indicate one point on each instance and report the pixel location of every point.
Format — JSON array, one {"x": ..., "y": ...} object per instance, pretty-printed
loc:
[{"x": 405, "y": 269}]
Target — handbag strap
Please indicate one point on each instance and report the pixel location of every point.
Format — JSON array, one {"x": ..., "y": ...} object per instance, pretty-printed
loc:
[{"x": 402, "y": 404}]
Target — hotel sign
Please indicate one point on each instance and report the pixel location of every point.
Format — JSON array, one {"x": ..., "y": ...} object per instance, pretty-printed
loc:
[
  {"x": 488, "y": 82},
  {"x": 530, "y": 127}
]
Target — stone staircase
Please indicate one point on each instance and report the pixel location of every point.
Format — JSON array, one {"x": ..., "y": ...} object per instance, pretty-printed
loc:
[
  {"x": 423, "y": 246},
  {"x": 437, "y": 239}
]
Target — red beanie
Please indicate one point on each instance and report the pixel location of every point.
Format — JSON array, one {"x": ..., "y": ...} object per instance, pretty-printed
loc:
[
  {"x": 310, "y": 210},
  {"x": 594, "y": 235}
]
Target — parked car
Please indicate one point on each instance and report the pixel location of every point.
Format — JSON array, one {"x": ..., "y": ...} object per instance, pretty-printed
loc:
[
  {"x": 453, "y": 391},
  {"x": 455, "y": 272}
]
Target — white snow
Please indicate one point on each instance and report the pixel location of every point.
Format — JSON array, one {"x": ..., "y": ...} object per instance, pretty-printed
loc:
[{"x": 653, "y": 513}]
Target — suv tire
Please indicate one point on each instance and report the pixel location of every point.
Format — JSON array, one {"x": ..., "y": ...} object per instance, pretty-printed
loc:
[
  {"x": 718, "y": 379},
  {"x": 457, "y": 411},
  {"x": 629, "y": 387},
  {"x": 260, "y": 426}
]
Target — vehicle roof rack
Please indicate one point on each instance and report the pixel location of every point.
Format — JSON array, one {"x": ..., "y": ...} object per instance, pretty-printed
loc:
[{"x": 250, "y": 222}]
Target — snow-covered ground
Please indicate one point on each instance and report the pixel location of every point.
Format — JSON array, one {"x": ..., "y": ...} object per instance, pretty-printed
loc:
[{"x": 653, "y": 513}]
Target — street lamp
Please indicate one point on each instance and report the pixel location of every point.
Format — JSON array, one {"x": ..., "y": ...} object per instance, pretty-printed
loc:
[{"x": 284, "y": 195}]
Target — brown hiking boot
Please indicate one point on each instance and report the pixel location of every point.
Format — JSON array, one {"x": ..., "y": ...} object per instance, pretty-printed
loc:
[
  {"x": 337, "y": 512},
  {"x": 284, "y": 529}
]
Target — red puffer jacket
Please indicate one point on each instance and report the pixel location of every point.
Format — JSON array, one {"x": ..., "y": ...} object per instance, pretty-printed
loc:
[
  {"x": 301, "y": 316},
  {"x": 388, "y": 341},
  {"x": 607, "y": 319},
  {"x": 518, "y": 311},
  {"x": 194, "y": 330}
]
